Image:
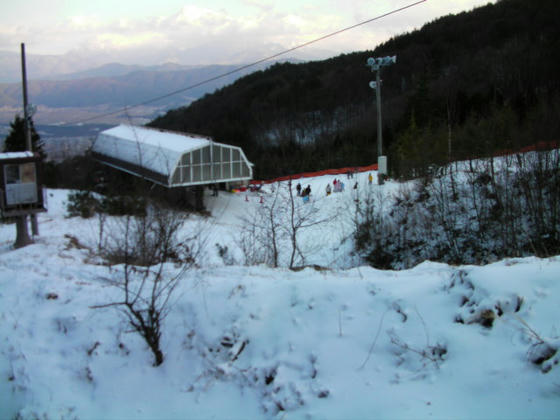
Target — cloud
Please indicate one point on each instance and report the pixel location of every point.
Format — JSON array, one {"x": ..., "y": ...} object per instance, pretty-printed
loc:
[
  {"x": 264, "y": 5},
  {"x": 235, "y": 34},
  {"x": 191, "y": 24}
]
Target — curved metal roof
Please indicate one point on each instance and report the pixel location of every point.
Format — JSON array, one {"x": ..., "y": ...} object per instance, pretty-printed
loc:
[{"x": 153, "y": 153}]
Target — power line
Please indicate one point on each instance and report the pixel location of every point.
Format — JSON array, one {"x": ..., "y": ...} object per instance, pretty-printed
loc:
[{"x": 238, "y": 69}]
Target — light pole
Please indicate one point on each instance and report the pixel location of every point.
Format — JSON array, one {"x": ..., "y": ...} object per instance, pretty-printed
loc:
[
  {"x": 376, "y": 64},
  {"x": 28, "y": 111}
]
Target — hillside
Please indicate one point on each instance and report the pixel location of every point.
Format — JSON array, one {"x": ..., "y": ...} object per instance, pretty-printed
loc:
[
  {"x": 250, "y": 341},
  {"x": 463, "y": 85}
]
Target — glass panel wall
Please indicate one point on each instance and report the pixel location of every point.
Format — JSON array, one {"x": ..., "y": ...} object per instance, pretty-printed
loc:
[
  {"x": 186, "y": 174},
  {"x": 217, "y": 171},
  {"x": 196, "y": 173},
  {"x": 205, "y": 154},
  {"x": 211, "y": 163},
  {"x": 206, "y": 176},
  {"x": 176, "y": 178},
  {"x": 195, "y": 157}
]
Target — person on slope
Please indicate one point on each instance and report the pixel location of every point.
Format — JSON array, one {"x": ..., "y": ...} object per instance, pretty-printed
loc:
[{"x": 306, "y": 193}]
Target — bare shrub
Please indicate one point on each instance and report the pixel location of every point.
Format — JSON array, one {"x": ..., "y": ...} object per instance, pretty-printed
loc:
[
  {"x": 487, "y": 210},
  {"x": 147, "y": 239},
  {"x": 373, "y": 230},
  {"x": 542, "y": 351},
  {"x": 81, "y": 203},
  {"x": 428, "y": 353},
  {"x": 270, "y": 233},
  {"x": 142, "y": 248},
  {"x": 261, "y": 233},
  {"x": 434, "y": 354}
]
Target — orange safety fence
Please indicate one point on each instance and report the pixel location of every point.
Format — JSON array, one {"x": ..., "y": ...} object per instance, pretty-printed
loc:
[
  {"x": 340, "y": 171},
  {"x": 540, "y": 146}
]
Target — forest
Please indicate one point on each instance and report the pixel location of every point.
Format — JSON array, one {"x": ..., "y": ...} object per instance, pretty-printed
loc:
[{"x": 469, "y": 85}]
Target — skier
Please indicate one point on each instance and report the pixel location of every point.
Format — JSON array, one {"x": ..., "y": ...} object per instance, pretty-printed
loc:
[
  {"x": 306, "y": 193},
  {"x": 328, "y": 189}
]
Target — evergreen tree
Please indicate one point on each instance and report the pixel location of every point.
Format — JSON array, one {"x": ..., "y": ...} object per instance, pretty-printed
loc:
[{"x": 15, "y": 141}]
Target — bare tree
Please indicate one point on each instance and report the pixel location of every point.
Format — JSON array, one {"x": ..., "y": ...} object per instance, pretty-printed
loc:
[
  {"x": 300, "y": 217},
  {"x": 144, "y": 247},
  {"x": 270, "y": 232},
  {"x": 261, "y": 234},
  {"x": 539, "y": 185}
]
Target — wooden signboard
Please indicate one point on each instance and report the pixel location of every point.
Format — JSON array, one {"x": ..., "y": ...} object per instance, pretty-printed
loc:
[{"x": 21, "y": 189}]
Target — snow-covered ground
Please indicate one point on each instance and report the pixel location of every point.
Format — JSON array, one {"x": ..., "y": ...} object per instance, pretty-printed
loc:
[{"x": 249, "y": 342}]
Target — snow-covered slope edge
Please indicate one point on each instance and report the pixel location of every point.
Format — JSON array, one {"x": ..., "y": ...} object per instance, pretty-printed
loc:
[{"x": 253, "y": 342}]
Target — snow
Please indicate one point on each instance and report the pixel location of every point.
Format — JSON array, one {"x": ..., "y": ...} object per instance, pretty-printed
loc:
[
  {"x": 177, "y": 142},
  {"x": 15, "y": 155},
  {"x": 343, "y": 342}
]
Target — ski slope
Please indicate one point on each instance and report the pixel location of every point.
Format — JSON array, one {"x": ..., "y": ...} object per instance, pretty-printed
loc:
[{"x": 252, "y": 342}]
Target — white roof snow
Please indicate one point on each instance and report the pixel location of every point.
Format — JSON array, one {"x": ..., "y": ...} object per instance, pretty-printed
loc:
[
  {"x": 15, "y": 155},
  {"x": 150, "y": 148}
]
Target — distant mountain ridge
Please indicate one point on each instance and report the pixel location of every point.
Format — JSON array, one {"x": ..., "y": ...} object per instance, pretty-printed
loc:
[
  {"x": 87, "y": 94},
  {"x": 128, "y": 86},
  {"x": 93, "y": 63},
  {"x": 116, "y": 85},
  {"x": 118, "y": 69}
]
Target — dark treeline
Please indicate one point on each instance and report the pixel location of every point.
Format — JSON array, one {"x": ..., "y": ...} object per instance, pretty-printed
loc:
[{"x": 464, "y": 85}]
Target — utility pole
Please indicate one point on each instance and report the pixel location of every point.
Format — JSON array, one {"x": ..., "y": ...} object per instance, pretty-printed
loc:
[
  {"x": 379, "y": 118},
  {"x": 376, "y": 64},
  {"x": 27, "y": 128},
  {"x": 22, "y": 232}
]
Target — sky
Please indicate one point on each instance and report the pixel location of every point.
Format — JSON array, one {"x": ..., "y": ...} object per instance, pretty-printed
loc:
[{"x": 206, "y": 31}]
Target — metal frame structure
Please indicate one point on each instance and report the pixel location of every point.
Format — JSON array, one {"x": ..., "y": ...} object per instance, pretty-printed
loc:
[{"x": 171, "y": 159}]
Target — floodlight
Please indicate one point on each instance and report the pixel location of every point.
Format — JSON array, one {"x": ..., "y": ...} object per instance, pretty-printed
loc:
[
  {"x": 372, "y": 62},
  {"x": 389, "y": 60}
]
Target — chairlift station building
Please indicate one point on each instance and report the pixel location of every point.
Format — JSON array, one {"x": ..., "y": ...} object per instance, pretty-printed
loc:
[{"x": 172, "y": 159}]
